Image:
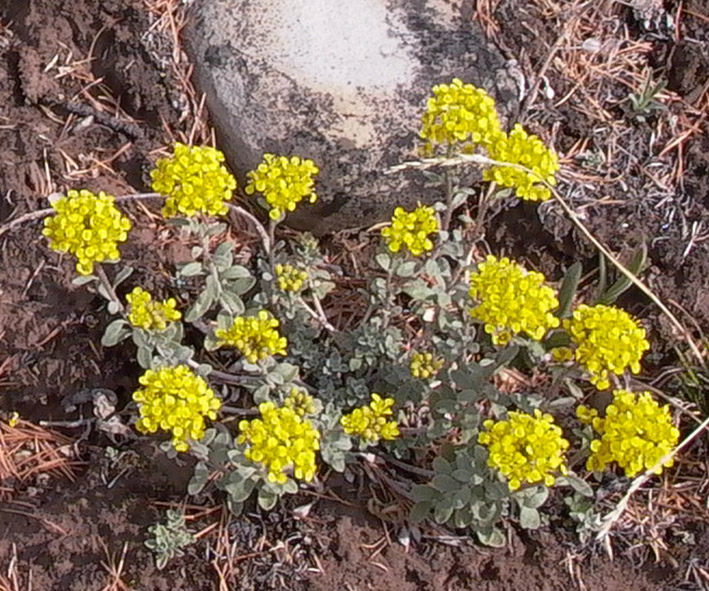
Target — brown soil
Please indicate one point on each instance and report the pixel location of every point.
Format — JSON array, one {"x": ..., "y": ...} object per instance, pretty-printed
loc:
[{"x": 57, "y": 129}]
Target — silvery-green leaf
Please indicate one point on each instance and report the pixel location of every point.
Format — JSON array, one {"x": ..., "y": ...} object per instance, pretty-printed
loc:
[
  {"x": 240, "y": 286},
  {"x": 203, "y": 369},
  {"x": 406, "y": 269},
  {"x": 234, "y": 507},
  {"x": 122, "y": 275},
  {"x": 492, "y": 537},
  {"x": 240, "y": 489},
  {"x": 567, "y": 291},
  {"x": 115, "y": 332},
  {"x": 199, "y": 479},
  {"x": 579, "y": 485},
  {"x": 529, "y": 518},
  {"x": 290, "y": 487},
  {"x": 144, "y": 357},
  {"x": 235, "y": 272},
  {"x": 83, "y": 279},
  {"x": 200, "y": 307},
  {"x": 191, "y": 269},
  {"x": 383, "y": 260},
  {"x": 267, "y": 498},
  {"x": 231, "y": 303}
]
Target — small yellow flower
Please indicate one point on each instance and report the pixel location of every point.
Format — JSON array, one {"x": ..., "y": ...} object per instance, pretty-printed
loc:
[
  {"x": 87, "y": 226},
  {"x": 411, "y": 230},
  {"x": 257, "y": 337},
  {"x": 636, "y": 433},
  {"x": 144, "y": 313},
  {"x": 371, "y": 422},
  {"x": 284, "y": 182},
  {"x": 290, "y": 278},
  {"x": 425, "y": 365},
  {"x": 14, "y": 419},
  {"x": 193, "y": 180},
  {"x": 525, "y": 448},
  {"x": 300, "y": 402},
  {"x": 459, "y": 115},
  {"x": 175, "y": 399},
  {"x": 281, "y": 440},
  {"x": 562, "y": 354},
  {"x": 586, "y": 414},
  {"x": 607, "y": 340},
  {"x": 511, "y": 300},
  {"x": 528, "y": 151}
]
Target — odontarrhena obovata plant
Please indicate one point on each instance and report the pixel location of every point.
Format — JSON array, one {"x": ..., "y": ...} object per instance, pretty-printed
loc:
[{"x": 247, "y": 368}]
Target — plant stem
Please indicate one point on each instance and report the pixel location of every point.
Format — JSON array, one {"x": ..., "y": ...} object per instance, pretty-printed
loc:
[{"x": 113, "y": 296}]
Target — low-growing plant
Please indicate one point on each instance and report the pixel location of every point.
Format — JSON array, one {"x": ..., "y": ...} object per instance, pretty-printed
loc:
[
  {"x": 169, "y": 538},
  {"x": 273, "y": 388}
]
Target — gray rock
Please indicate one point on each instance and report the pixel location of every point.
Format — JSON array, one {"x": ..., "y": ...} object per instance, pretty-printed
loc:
[{"x": 343, "y": 82}]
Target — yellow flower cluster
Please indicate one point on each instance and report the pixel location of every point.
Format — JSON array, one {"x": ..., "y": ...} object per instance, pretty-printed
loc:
[
  {"x": 284, "y": 182},
  {"x": 88, "y": 226},
  {"x": 636, "y": 432},
  {"x": 528, "y": 151},
  {"x": 606, "y": 339},
  {"x": 300, "y": 402},
  {"x": 371, "y": 422},
  {"x": 149, "y": 315},
  {"x": 175, "y": 399},
  {"x": 411, "y": 229},
  {"x": 525, "y": 448},
  {"x": 459, "y": 113},
  {"x": 281, "y": 440},
  {"x": 512, "y": 300},
  {"x": 290, "y": 278},
  {"x": 193, "y": 180},
  {"x": 257, "y": 337},
  {"x": 425, "y": 365}
]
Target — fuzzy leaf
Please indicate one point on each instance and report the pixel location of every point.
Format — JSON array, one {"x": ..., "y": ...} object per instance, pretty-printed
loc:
[
  {"x": 492, "y": 537},
  {"x": 115, "y": 332},
  {"x": 191, "y": 270},
  {"x": 201, "y": 306},
  {"x": 420, "y": 511},
  {"x": 529, "y": 518},
  {"x": 199, "y": 479}
]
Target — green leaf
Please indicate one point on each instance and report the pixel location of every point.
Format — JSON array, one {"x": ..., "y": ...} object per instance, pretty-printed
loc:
[
  {"x": 383, "y": 260},
  {"x": 240, "y": 286},
  {"x": 199, "y": 479},
  {"x": 445, "y": 483},
  {"x": 420, "y": 511},
  {"x": 492, "y": 537},
  {"x": 115, "y": 332},
  {"x": 442, "y": 511},
  {"x": 123, "y": 274},
  {"x": 191, "y": 269},
  {"x": 200, "y": 307},
  {"x": 406, "y": 269},
  {"x": 636, "y": 266},
  {"x": 144, "y": 356},
  {"x": 267, "y": 499},
  {"x": 533, "y": 497},
  {"x": 235, "y": 272},
  {"x": 240, "y": 489},
  {"x": 423, "y": 492},
  {"x": 441, "y": 465},
  {"x": 579, "y": 485},
  {"x": 568, "y": 288},
  {"x": 83, "y": 279},
  {"x": 529, "y": 518},
  {"x": 231, "y": 303}
]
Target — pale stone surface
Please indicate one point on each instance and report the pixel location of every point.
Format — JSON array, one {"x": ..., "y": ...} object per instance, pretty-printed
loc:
[{"x": 343, "y": 82}]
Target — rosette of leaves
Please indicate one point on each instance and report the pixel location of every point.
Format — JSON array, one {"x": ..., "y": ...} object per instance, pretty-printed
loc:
[{"x": 169, "y": 538}]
